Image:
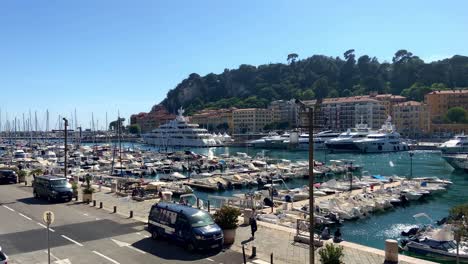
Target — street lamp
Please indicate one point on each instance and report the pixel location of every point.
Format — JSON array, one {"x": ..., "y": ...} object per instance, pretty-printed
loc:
[
  {"x": 411, "y": 154},
  {"x": 65, "y": 150}
]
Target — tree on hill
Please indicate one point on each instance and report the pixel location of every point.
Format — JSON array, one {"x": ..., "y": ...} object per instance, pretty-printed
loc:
[
  {"x": 134, "y": 129},
  {"x": 317, "y": 76}
]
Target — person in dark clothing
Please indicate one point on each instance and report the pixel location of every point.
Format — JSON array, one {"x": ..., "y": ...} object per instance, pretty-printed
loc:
[
  {"x": 253, "y": 224},
  {"x": 337, "y": 236}
]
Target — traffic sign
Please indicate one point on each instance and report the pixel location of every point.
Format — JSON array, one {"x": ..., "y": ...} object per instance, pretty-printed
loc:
[{"x": 48, "y": 217}]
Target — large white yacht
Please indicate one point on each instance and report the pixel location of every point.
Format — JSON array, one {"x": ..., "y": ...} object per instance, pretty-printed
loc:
[
  {"x": 273, "y": 140},
  {"x": 345, "y": 141},
  {"x": 458, "y": 144},
  {"x": 179, "y": 132},
  {"x": 457, "y": 161},
  {"x": 384, "y": 140}
]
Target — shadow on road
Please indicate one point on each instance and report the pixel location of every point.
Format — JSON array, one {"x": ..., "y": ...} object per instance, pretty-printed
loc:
[
  {"x": 171, "y": 251},
  {"x": 32, "y": 200}
]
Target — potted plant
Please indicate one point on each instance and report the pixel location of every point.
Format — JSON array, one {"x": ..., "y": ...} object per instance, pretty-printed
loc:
[
  {"x": 75, "y": 189},
  {"x": 331, "y": 254},
  {"x": 88, "y": 190},
  {"x": 22, "y": 176},
  {"x": 227, "y": 219}
]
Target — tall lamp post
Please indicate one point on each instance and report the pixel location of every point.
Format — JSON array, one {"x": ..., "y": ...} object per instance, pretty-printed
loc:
[
  {"x": 311, "y": 112},
  {"x": 311, "y": 186},
  {"x": 66, "y": 147},
  {"x": 411, "y": 154}
]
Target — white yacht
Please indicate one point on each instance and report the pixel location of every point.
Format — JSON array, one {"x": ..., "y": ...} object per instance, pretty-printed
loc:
[
  {"x": 179, "y": 132},
  {"x": 273, "y": 140},
  {"x": 458, "y": 144},
  {"x": 322, "y": 137},
  {"x": 457, "y": 161},
  {"x": 345, "y": 141},
  {"x": 384, "y": 140}
]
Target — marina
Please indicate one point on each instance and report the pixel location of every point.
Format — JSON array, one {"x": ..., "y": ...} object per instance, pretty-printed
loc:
[{"x": 369, "y": 229}]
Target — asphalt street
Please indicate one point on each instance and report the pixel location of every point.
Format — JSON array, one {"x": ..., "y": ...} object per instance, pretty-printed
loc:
[{"x": 84, "y": 234}]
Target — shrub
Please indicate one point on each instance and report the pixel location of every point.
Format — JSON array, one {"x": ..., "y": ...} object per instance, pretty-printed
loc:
[
  {"x": 88, "y": 189},
  {"x": 226, "y": 217},
  {"x": 331, "y": 254}
]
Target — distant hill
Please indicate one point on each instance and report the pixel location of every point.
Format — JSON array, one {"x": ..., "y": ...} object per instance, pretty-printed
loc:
[{"x": 317, "y": 76}]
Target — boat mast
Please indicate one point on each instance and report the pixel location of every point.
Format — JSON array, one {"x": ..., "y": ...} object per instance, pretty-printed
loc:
[
  {"x": 120, "y": 141},
  {"x": 35, "y": 121}
]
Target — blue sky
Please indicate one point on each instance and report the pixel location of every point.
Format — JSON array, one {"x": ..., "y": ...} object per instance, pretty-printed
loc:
[{"x": 110, "y": 55}]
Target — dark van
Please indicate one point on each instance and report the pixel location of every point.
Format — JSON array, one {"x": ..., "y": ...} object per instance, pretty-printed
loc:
[
  {"x": 193, "y": 227},
  {"x": 52, "y": 187},
  {"x": 7, "y": 176}
]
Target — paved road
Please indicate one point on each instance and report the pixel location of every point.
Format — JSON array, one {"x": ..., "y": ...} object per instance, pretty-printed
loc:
[{"x": 84, "y": 234}]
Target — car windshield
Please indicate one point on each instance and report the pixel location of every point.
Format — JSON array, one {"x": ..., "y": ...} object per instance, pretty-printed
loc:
[
  {"x": 200, "y": 219},
  {"x": 2, "y": 256},
  {"x": 58, "y": 183}
]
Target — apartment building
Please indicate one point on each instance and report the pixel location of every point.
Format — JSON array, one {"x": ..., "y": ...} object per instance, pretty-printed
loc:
[
  {"x": 251, "y": 120},
  {"x": 153, "y": 119},
  {"x": 439, "y": 102},
  {"x": 285, "y": 111},
  {"x": 411, "y": 119},
  {"x": 219, "y": 120}
]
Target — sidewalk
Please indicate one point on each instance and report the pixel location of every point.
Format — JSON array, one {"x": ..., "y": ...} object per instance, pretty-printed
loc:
[{"x": 269, "y": 238}]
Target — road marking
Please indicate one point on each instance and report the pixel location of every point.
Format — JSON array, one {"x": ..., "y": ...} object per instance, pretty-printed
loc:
[
  {"x": 44, "y": 226},
  {"x": 210, "y": 259},
  {"x": 138, "y": 233},
  {"x": 8, "y": 208},
  {"x": 24, "y": 216},
  {"x": 69, "y": 239},
  {"x": 52, "y": 255},
  {"x": 125, "y": 244},
  {"x": 106, "y": 257},
  {"x": 97, "y": 219},
  {"x": 86, "y": 214}
]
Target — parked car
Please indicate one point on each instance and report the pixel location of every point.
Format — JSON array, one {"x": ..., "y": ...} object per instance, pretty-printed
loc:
[
  {"x": 8, "y": 176},
  {"x": 53, "y": 188},
  {"x": 190, "y": 226},
  {"x": 3, "y": 257}
]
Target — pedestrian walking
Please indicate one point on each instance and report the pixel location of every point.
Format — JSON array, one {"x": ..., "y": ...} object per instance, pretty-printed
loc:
[{"x": 253, "y": 223}]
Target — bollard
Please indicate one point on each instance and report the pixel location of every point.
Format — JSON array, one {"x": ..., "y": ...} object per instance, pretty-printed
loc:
[
  {"x": 271, "y": 258},
  {"x": 391, "y": 251},
  {"x": 115, "y": 209},
  {"x": 254, "y": 252},
  {"x": 94, "y": 202},
  {"x": 76, "y": 198},
  {"x": 25, "y": 182},
  {"x": 100, "y": 205},
  {"x": 243, "y": 254},
  {"x": 208, "y": 206},
  {"x": 131, "y": 214}
]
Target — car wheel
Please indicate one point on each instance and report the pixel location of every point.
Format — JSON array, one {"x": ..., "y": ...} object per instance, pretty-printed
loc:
[{"x": 154, "y": 235}]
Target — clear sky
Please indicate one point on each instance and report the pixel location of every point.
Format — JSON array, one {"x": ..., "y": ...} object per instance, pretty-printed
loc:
[{"x": 110, "y": 55}]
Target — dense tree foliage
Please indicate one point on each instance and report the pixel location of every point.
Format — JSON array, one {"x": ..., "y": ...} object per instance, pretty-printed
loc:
[
  {"x": 318, "y": 77},
  {"x": 134, "y": 129},
  {"x": 457, "y": 115}
]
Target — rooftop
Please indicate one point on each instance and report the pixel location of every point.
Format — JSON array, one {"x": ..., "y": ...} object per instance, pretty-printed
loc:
[
  {"x": 455, "y": 91},
  {"x": 409, "y": 103}
]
